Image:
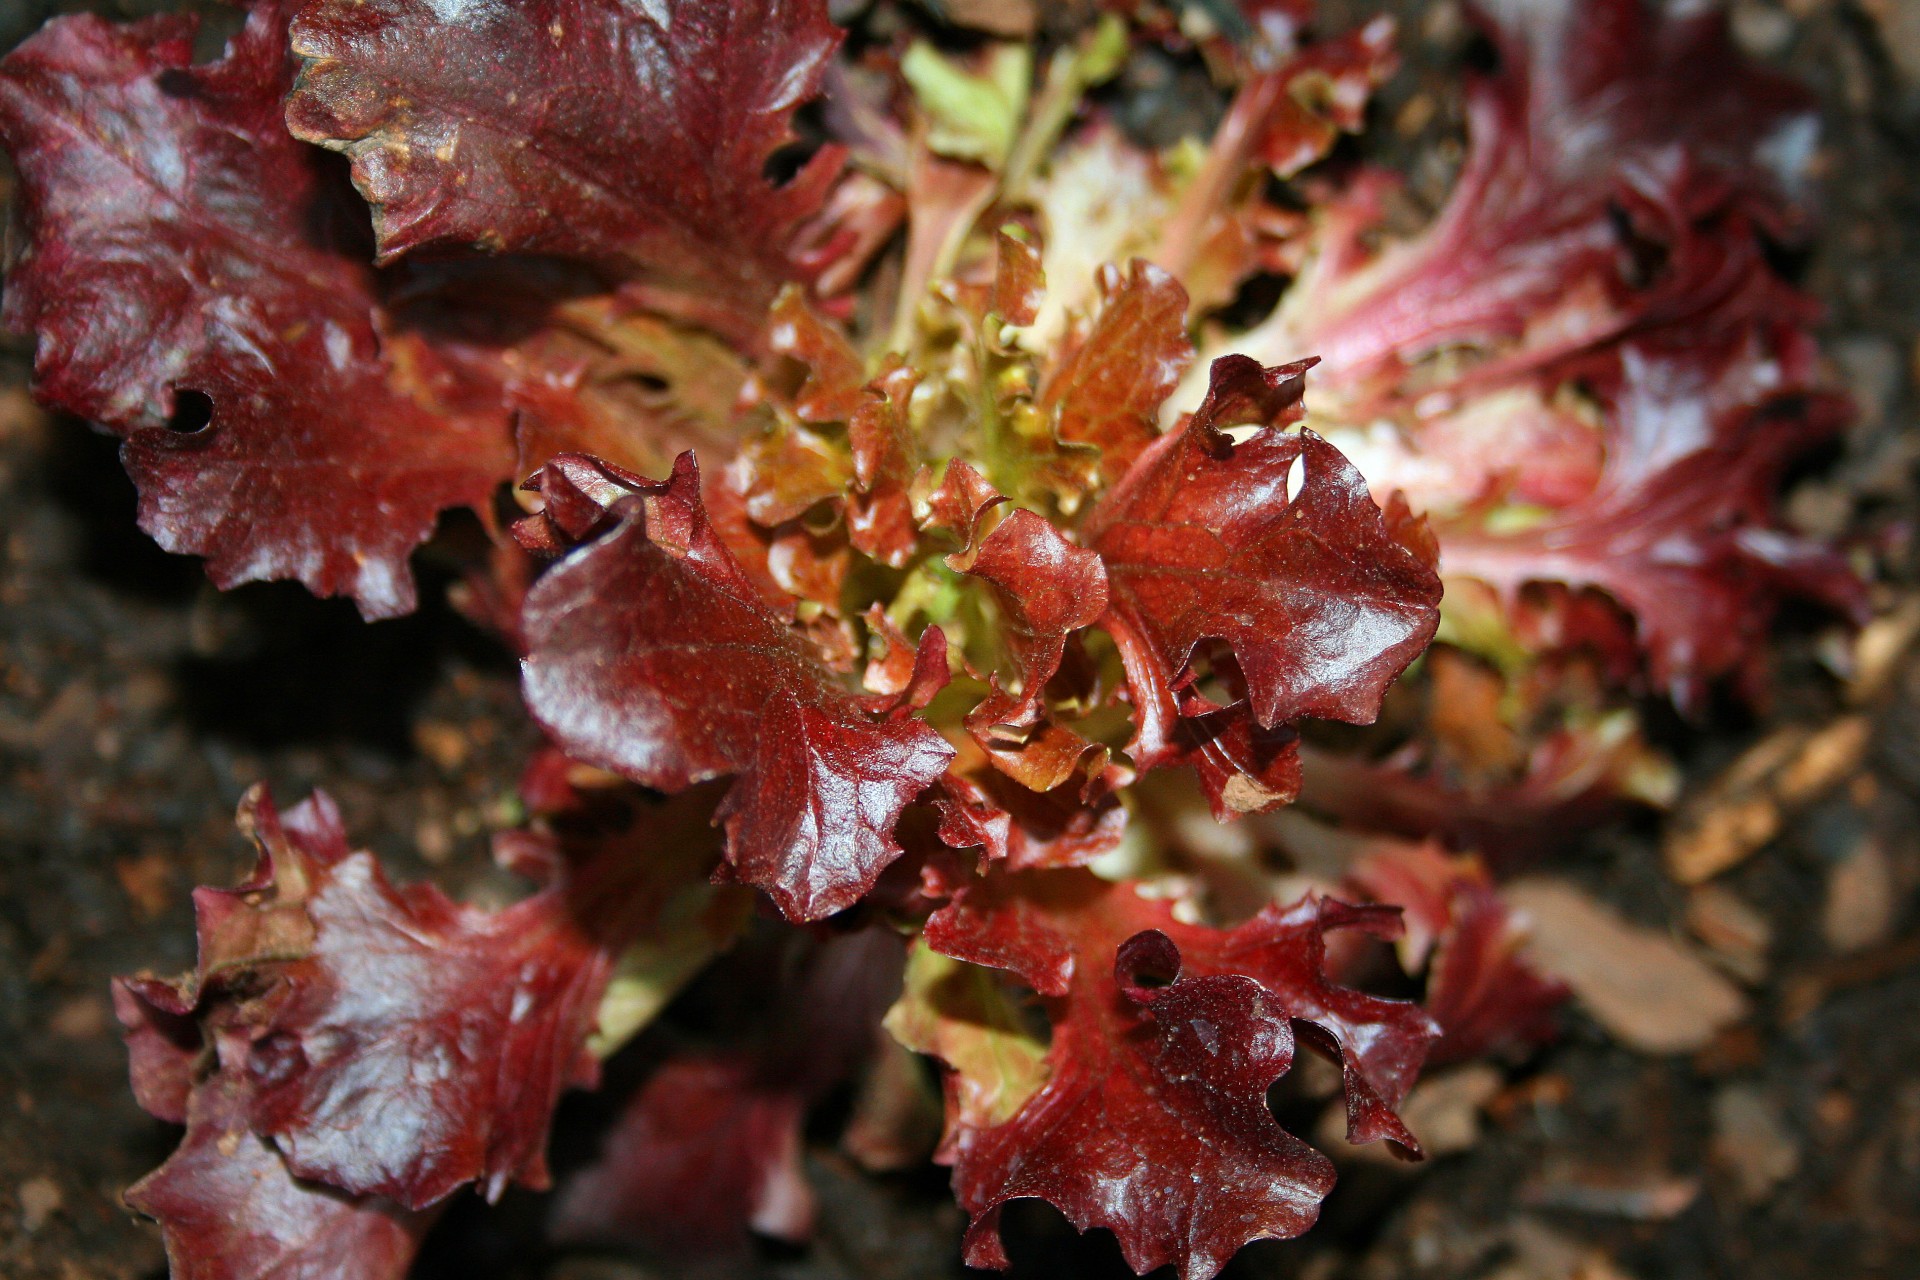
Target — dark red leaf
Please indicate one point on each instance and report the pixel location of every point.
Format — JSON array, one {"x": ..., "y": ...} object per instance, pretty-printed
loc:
[
  {"x": 1153, "y": 1121},
  {"x": 178, "y": 252},
  {"x": 1680, "y": 527},
  {"x": 1621, "y": 158},
  {"x": 632, "y": 135},
  {"x": 1025, "y": 829},
  {"x": 1625, "y": 372},
  {"x": 231, "y": 1211},
  {"x": 578, "y": 493},
  {"x": 450, "y": 1075},
  {"x": 880, "y": 519},
  {"x": 704, "y": 1150},
  {"x": 1481, "y": 991},
  {"x": 960, "y": 505},
  {"x": 911, "y": 674},
  {"x": 1047, "y": 589},
  {"x": 1242, "y": 767},
  {"x": 710, "y": 1145},
  {"x": 390, "y": 1041},
  {"x": 1272, "y": 546},
  {"x": 1108, "y": 389},
  {"x": 163, "y": 1042},
  {"x": 651, "y": 654}
]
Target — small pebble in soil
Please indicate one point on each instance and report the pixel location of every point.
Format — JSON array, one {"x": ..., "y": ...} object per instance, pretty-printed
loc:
[
  {"x": 40, "y": 1199},
  {"x": 1751, "y": 1144},
  {"x": 1862, "y": 906},
  {"x": 1761, "y": 29}
]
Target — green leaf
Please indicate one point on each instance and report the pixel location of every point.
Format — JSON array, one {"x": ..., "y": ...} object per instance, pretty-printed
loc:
[
  {"x": 971, "y": 116},
  {"x": 961, "y": 1014},
  {"x": 700, "y": 921}
]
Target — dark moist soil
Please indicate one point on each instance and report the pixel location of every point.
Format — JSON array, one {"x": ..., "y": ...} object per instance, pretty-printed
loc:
[{"x": 136, "y": 705}]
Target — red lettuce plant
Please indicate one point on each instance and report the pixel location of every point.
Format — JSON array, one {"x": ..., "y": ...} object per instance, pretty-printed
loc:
[
  {"x": 1589, "y": 374},
  {"x": 883, "y": 548}
]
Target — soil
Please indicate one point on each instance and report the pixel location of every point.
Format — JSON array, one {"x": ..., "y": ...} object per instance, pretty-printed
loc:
[{"x": 137, "y": 704}]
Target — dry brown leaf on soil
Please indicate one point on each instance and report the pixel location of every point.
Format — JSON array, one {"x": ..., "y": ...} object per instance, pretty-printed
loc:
[
  {"x": 1878, "y": 650},
  {"x": 1743, "y": 809},
  {"x": 1541, "y": 1253},
  {"x": 1734, "y": 930},
  {"x": 1650, "y": 992},
  {"x": 1803, "y": 993},
  {"x": 1648, "y": 1196}
]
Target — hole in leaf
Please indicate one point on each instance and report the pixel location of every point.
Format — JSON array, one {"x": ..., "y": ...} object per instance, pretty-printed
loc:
[
  {"x": 1147, "y": 961},
  {"x": 1255, "y": 300},
  {"x": 192, "y": 413},
  {"x": 1643, "y": 258},
  {"x": 1481, "y": 55},
  {"x": 811, "y": 133},
  {"x": 1791, "y": 262},
  {"x": 1215, "y": 674},
  {"x": 175, "y": 83}
]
